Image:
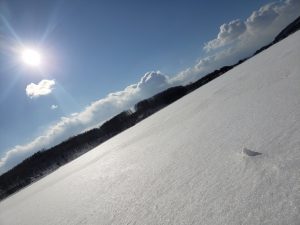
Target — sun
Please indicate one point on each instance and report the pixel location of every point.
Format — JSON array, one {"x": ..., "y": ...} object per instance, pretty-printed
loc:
[{"x": 31, "y": 57}]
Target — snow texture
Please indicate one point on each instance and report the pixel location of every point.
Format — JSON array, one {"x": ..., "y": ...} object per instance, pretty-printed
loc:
[{"x": 183, "y": 165}]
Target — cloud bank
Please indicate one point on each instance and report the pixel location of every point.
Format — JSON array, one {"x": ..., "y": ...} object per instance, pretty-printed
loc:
[
  {"x": 236, "y": 39},
  {"x": 93, "y": 115},
  {"x": 44, "y": 87},
  {"x": 260, "y": 27}
]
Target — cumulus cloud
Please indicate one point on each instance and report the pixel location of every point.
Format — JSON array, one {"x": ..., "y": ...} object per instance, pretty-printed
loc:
[
  {"x": 263, "y": 17},
  {"x": 93, "y": 115},
  {"x": 228, "y": 33},
  {"x": 152, "y": 82},
  {"x": 44, "y": 87},
  {"x": 240, "y": 39},
  {"x": 260, "y": 27}
]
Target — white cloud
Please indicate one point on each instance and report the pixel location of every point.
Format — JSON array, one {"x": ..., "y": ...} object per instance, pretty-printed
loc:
[
  {"x": 239, "y": 39},
  {"x": 44, "y": 87},
  {"x": 228, "y": 33},
  {"x": 92, "y": 116},
  {"x": 54, "y": 107},
  {"x": 263, "y": 17},
  {"x": 207, "y": 65},
  {"x": 260, "y": 27}
]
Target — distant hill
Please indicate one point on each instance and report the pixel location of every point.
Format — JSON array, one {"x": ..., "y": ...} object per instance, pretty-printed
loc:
[{"x": 290, "y": 29}]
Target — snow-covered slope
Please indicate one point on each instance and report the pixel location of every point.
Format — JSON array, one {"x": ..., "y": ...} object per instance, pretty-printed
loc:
[{"x": 185, "y": 164}]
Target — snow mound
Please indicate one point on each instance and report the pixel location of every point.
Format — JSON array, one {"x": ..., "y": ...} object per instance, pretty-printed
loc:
[
  {"x": 248, "y": 152},
  {"x": 182, "y": 165}
]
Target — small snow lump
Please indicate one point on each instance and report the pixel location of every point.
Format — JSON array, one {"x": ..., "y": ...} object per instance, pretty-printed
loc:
[{"x": 248, "y": 152}]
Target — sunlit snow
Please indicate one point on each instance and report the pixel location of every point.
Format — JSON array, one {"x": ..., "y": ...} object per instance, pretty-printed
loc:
[{"x": 185, "y": 164}]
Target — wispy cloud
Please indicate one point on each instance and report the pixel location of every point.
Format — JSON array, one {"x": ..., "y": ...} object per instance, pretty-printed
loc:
[
  {"x": 236, "y": 39},
  {"x": 44, "y": 87},
  {"x": 53, "y": 107}
]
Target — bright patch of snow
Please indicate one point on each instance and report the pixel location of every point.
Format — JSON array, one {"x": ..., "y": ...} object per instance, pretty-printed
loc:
[{"x": 183, "y": 165}]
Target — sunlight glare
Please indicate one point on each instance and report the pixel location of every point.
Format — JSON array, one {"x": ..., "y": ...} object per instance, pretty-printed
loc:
[{"x": 31, "y": 57}]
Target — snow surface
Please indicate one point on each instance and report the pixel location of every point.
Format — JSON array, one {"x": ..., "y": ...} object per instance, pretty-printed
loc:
[{"x": 185, "y": 164}]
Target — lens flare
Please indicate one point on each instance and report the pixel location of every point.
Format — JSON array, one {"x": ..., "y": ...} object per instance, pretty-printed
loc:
[{"x": 31, "y": 57}]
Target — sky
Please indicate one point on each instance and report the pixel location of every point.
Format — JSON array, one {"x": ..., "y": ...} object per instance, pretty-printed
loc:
[{"x": 101, "y": 57}]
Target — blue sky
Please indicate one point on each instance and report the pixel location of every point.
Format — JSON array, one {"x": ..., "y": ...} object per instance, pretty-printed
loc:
[{"x": 100, "y": 57}]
